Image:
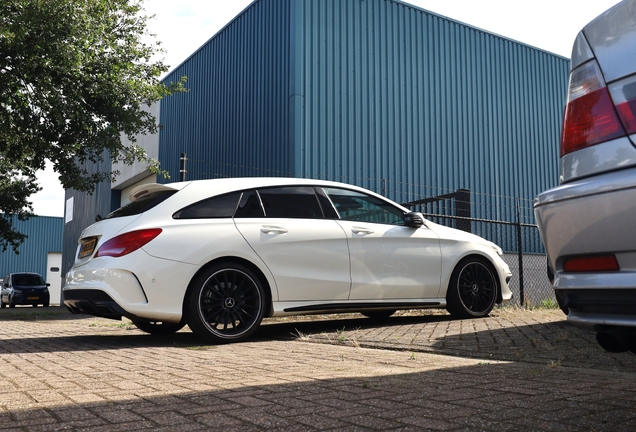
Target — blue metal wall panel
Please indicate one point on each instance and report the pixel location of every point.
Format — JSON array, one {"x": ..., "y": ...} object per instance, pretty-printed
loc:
[
  {"x": 234, "y": 121},
  {"x": 412, "y": 104},
  {"x": 376, "y": 93},
  {"x": 44, "y": 235},
  {"x": 85, "y": 209}
]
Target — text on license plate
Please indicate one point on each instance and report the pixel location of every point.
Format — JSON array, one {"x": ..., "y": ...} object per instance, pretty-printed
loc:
[
  {"x": 33, "y": 298},
  {"x": 87, "y": 247}
]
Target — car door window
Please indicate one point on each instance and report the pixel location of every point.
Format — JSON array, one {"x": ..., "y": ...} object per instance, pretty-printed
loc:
[
  {"x": 357, "y": 206},
  {"x": 298, "y": 202},
  {"x": 222, "y": 206},
  {"x": 250, "y": 206}
]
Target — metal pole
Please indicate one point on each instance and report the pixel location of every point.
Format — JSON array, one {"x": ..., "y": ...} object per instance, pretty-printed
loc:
[
  {"x": 520, "y": 253},
  {"x": 182, "y": 167}
]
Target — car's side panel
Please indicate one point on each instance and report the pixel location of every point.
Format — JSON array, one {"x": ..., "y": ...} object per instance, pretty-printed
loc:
[
  {"x": 392, "y": 262},
  {"x": 309, "y": 258}
]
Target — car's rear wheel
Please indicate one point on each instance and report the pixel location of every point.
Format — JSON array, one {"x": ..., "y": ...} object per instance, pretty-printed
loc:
[
  {"x": 158, "y": 327},
  {"x": 35, "y": 305},
  {"x": 225, "y": 303},
  {"x": 473, "y": 289},
  {"x": 45, "y": 304},
  {"x": 378, "y": 315}
]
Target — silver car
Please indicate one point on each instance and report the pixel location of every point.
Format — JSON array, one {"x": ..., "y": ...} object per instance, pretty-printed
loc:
[{"x": 588, "y": 223}]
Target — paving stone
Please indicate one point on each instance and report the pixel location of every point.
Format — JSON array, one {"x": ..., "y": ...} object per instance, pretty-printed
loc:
[{"x": 515, "y": 370}]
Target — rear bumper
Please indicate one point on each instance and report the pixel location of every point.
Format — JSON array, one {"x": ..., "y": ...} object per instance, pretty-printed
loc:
[
  {"x": 589, "y": 216},
  {"x": 600, "y": 309},
  {"x": 593, "y": 216},
  {"x": 94, "y": 302}
]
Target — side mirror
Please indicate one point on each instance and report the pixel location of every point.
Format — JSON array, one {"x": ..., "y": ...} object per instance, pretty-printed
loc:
[{"x": 413, "y": 219}]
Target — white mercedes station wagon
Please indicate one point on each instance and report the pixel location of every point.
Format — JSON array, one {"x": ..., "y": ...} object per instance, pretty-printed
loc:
[
  {"x": 588, "y": 222},
  {"x": 220, "y": 255}
]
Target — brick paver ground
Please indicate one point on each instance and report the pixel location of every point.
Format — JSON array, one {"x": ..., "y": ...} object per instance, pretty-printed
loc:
[{"x": 512, "y": 371}]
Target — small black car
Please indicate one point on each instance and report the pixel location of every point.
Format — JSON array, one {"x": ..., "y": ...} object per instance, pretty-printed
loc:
[{"x": 24, "y": 289}]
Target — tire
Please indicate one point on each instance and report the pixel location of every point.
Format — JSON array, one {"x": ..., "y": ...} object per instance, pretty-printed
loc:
[
  {"x": 45, "y": 304},
  {"x": 11, "y": 305},
  {"x": 34, "y": 305},
  {"x": 560, "y": 302},
  {"x": 473, "y": 288},
  {"x": 158, "y": 327},
  {"x": 225, "y": 303},
  {"x": 2, "y": 304},
  {"x": 378, "y": 315}
]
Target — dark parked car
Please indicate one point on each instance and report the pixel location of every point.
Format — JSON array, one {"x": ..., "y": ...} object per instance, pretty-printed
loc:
[{"x": 24, "y": 289}]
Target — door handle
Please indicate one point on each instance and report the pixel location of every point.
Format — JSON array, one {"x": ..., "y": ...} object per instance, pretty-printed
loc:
[
  {"x": 271, "y": 230},
  {"x": 361, "y": 231}
]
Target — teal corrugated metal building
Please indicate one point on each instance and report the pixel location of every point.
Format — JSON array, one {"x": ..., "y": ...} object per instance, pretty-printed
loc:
[
  {"x": 376, "y": 93},
  {"x": 44, "y": 236}
]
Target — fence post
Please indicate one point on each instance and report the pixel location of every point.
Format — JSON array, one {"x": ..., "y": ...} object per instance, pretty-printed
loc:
[
  {"x": 520, "y": 253},
  {"x": 462, "y": 209},
  {"x": 182, "y": 167}
]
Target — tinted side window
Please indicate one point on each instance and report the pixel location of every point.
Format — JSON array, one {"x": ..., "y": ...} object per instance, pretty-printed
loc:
[
  {"x": 298, "y": 202},
  {"x": 222, "y": 206},
  {"x": 142, "y": 204},
  {"x": 356, "y": 206},
  {"x": 249, "y": 206}
]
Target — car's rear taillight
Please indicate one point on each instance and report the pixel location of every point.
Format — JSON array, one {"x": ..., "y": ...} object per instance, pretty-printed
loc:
[
  {"x": 624, "y": 96},
  {"x": 126, "y": 243},
  {"x": 590, "y": 116}
]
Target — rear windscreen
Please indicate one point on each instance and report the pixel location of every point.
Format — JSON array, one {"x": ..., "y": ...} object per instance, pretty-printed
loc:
[{"x": 141, "y": 205}]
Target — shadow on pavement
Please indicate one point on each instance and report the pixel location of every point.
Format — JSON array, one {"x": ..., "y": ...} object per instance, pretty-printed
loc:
[{"x": 519, "y": 335}]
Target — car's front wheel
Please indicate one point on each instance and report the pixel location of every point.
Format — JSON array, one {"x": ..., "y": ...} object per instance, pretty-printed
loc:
[
  {"x": 158, "y": 327},
  {"x": 225, "y": 303},
  {"x": 473, "y": 288}
]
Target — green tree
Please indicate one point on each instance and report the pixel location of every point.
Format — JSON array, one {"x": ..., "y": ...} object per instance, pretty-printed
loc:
[{"x": 75, "y": 76}]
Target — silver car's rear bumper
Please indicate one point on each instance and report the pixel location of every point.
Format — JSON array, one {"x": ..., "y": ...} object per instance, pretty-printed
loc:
[{"x": 593, "y": 216}]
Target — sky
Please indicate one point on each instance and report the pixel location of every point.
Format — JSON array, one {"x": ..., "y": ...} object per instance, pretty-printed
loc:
[{"x": 183, "y": 26}]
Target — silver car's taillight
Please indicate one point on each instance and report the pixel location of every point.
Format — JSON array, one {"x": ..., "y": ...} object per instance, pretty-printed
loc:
[
  {"x": 590, "y": 116},
  {"x": 624, "y": 95}
]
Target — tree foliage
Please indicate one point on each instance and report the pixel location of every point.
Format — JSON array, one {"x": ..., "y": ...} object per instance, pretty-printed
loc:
[{"x": 75, "y": 76}]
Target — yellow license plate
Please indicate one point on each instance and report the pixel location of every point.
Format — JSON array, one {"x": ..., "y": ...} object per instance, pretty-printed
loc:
[
  {"x": 34, "y": 298},
  {"x": 87, "y": 247}
]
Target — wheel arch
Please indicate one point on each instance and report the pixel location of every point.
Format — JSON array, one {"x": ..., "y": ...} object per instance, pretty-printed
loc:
[
  {"x": 235, "y": 260},
  {"x": 485, "y": 259}
]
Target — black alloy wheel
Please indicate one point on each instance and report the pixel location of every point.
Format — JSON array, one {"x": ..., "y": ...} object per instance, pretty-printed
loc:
[
  {"x": 473, "y": 289},
  {"x": 225, "y": 304},
  {"x": 159, "y": 327}
]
